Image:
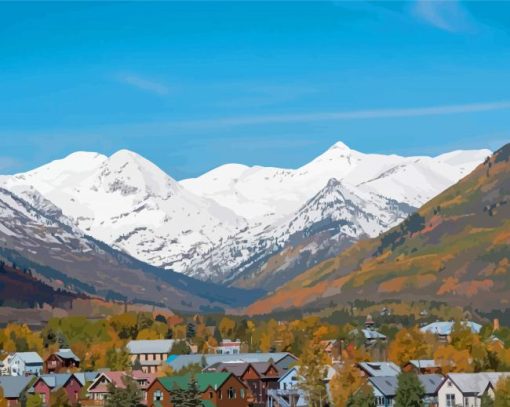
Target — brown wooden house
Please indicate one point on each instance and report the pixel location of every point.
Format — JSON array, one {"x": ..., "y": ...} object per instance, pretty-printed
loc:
[
  {"x": 259, "y": 377},
  {"x": 218, "y": 389},
  {"x": 62, "y": 361}
]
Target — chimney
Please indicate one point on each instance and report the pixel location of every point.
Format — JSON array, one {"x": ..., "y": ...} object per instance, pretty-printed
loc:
[{"x": 495, "y": 324}]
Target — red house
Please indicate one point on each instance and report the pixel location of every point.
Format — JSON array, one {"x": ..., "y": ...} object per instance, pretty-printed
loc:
[
  {"x": 61, "y": 361},
  {"x": 46, "y": 384}
]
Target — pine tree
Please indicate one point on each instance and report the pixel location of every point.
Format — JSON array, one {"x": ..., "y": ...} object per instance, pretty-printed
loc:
[
  {"x": 178, "y": 396},
  {"x": 137, "y": 365},
  {"x": 312, "y": 370},
  {"x": 130, "y": 396},
  {"x": 410, "y": 391},
  {"x": 192, "y": 394}
]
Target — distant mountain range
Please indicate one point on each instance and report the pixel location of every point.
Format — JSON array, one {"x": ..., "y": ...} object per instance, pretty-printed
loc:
[
  {"x": 35, "y": 235},
  {"x": 243, "y": 226},
  {"x": 455, "y": 248}
]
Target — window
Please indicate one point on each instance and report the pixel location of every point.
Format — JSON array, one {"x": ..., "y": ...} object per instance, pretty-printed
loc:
[
  {"x": 450, "y": 400},
  {"x": 211, "y": 395},
  {"x": 242, "y": 393},
  {"x": 379, "y": 401},
  {"x": 231, "y": 393},
  {"x": 158, "y": 395}
]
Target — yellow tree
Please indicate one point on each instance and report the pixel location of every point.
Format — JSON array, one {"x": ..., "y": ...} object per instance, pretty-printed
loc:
[
  {"x": 227, "y": 327},
  {"x": 312, "y": 370},
  {"x": 451, "y": 359},
  {"x": 345, "y": 382},
  {"x": 3, "y": 401},
  {"x": 410, "y": 344},
  {"x": 502, "y": 393}
]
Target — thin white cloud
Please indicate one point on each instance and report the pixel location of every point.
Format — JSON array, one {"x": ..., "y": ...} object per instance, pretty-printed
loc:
[
  {"x": 144, "y": 84},
  {"x": 346, "y": 115},
  {"x": 447, "y": 15}
]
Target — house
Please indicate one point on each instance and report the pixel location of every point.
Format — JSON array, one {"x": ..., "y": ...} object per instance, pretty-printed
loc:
[
  {"x": 466, "y": 389},
  {"x": 258, "y": 377},
  {"x": 150, "y": 353},
  {"x": 385, "y": 389},
  {"x": 98, "y": 391},
  {"x": 423, "y": 366},
  {"x": 228, "y": 347},
  {"x": 289, "y": 393},
  {"x": 48, "y": 383},
  {"x": 374, "y": 369},
  {"x": 443, "y": 329},
  {"x": 282, "y": 360},
  {"x": 218, "y": 389},
  {"x": 23, "y": 363},
  {"x": 13, "y": 387},
  {"x": 62, "y": 361}
]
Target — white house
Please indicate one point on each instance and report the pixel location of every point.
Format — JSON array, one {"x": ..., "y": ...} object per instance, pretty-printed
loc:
[
  {"x": 229, "y": 347},
  {"x": 22, "y": 364},
  {"x": 150, "y": 353},
  {"x": 466, "y": 389},
  {"x": 443, "y": 329}
]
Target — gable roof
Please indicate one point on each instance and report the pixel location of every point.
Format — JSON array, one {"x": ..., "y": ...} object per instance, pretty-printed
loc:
[
  {"x": 150, "y": 346},
  {"x": 475, "y": 383},
  {"x": 177, "y": 362},
  {"x": 372, "y": 334},
  {"x": 388, "y": 385},
  {"x": 239, "y": 368},
  {"x": 116, "y": 378},
  {"x": 14, "y": 385},
  {"x": 67, "y": 354},
  {"x": 204, "y": 381},
  {"x": 29, "y": 358},
  {"x": 375, "y": 369},
  {"x": 54, "y": 381},
  {"x": 84, "y": 377}
]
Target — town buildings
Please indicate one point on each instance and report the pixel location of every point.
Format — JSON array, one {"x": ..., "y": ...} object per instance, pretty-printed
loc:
[{"x": 13, "y": 387}]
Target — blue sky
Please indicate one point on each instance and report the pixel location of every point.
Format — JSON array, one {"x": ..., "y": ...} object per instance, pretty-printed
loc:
[{"x": 194, "y": 85}]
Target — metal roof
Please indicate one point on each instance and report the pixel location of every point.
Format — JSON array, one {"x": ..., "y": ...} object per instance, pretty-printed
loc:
[
  {"x": 177, "y": 362},
  {"x": 84, "y": 377},
  {"x": 475, "y": 382},
  {"x": 446, "y": 327},
  {"x": 29, "y": 358},
  {"x": 67, "y": 354},
  {"x": 424, "y": 363},
  {"x": 14, "y": 385},
  {"x": 388, "y": 385},
  {"x": 150, "y": 346},
  {"x": 374, "y": 369}
]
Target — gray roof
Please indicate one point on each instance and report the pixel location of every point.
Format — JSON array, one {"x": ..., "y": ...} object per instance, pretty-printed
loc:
[
  {"x": 30, "y": 358},
  {"x": 372, "y": 334},
  {"x": 67, "y": 354},
  {"x": 445, "y": 327},
  {"x": 177, "y": 362},
  {"x": 54, "y": 380},
  {"x": 84, "y": 377},
  {"x": 388, "y": 385},
  {"x": 14, "y": 385},
  {"x": 424, "y": 363},
  {"x": 150, "y": 346},
  {"x": 476, "y": 382},
  {"x": 374, "y": 369}
]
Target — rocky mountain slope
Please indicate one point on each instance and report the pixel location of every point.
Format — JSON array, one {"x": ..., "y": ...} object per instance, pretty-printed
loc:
[
  {"x": 229, "y": 224},
  {"x": 456, "y": 246},
  {"x": 38, "y": 236}
]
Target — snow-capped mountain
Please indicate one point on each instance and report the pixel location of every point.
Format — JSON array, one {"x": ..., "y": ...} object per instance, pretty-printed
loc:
[
  {"x": 334, "y": 218},
  {"x": 129, "y": 203},
  {"x": 231, "y": 220},
  {"x": 43, "y": 239}
]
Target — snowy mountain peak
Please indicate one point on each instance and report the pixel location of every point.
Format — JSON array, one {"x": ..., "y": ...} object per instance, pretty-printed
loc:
[{"x": 339, "y": 145}]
